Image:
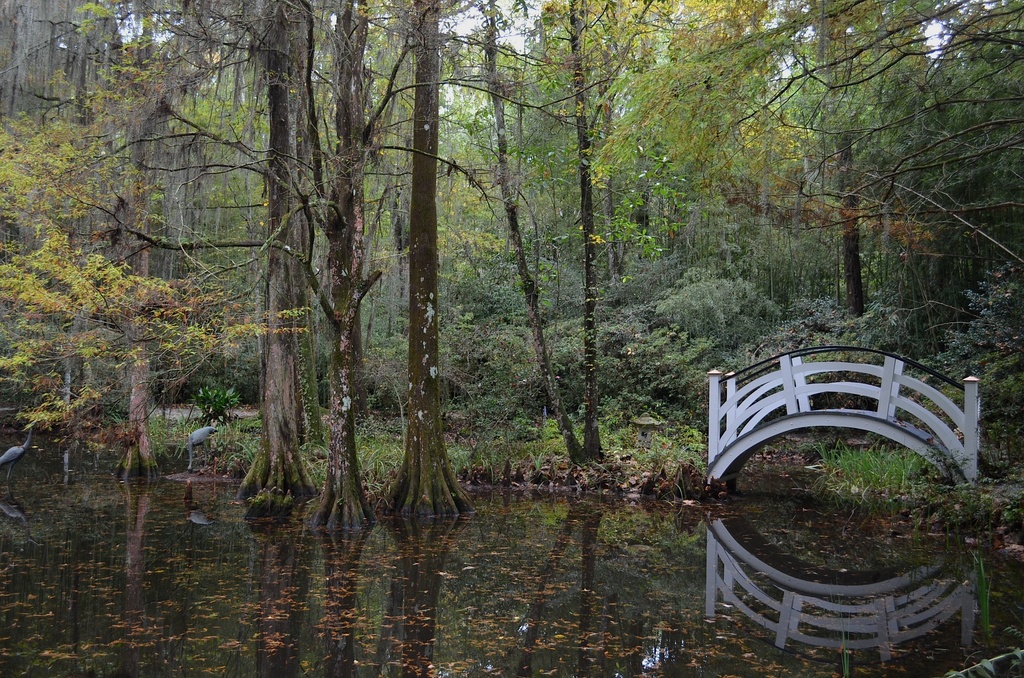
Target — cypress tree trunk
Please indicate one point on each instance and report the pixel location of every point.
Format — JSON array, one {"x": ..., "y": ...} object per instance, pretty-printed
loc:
[
  {"x": 426, "y": 483},
  {"x": 138, "y": 462},
  {"x": 278, "y": 474},
  {"x": 308, "y": 150},
  {"x": 343, "y": 502}
]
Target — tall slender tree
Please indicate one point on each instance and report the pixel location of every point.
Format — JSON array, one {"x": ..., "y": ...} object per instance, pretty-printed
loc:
[
  {"x": 510, "y": 201},
  {"x": 343, "y": 502},
  {"x": 426, "y": 483},
  {"x": 584, "y": 149}
]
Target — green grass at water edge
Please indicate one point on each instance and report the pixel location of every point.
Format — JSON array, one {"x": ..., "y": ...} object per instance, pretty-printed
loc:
[
  {"x": 876, "y": 475},
  {"x": 234, "y": 444}
]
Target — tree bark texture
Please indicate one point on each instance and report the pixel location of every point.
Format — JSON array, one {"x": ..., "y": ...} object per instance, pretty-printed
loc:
[
  {"x": 310, "y": 154},
  {"x": 852, "y": 273},
  {"x": 591, "y": 396},
  {"x": 426, "y": 483},
  {"x": 510, "y": 202},
  {"x": 138, "y": 462},
  {"x": 343, "y": 502},
  {"x": 278, "y": 472}
]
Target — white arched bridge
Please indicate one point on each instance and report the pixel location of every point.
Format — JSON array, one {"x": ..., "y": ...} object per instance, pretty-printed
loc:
[{"x": 843, "y": 387}]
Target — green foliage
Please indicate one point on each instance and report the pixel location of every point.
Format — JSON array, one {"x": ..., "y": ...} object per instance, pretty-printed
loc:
[
  {"x": 961, "y": 508},
  {"x": 491, "y": 373},
  {"x": 661, "y": 370},
  {"x": 1008, "y": 664},
  {"x": 991, "y": 347},
  {"x": 876, "y": 475},
  {"x": 216, "y": 403},
  {"x": 670, "y": 446},
  {"x": 730, "y": 312}
]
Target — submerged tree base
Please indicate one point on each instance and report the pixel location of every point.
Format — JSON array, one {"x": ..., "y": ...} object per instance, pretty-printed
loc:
[
  {"x": 341, "y": 514},
  {"x": 270, "y": 503},
  {"x": 272, "y": 486},
  {"x": 134, "y": 466},
  {"x": 418, "y": 493}
]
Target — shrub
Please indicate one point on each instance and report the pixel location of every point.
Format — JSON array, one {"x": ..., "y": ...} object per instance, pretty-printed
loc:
[
  {"x": 729, "y": 311},
  {"x": 991, "y": 347},
  {"x": 216, "y": 403}
]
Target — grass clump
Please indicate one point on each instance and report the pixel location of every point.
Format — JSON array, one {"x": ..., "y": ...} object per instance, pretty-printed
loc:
[{"x": 875, "y": 475}]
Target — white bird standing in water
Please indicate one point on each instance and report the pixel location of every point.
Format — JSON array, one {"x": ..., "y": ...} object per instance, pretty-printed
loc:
[
  {"x": 14, "y": 455},
  {"x": 197, "y": 438}
]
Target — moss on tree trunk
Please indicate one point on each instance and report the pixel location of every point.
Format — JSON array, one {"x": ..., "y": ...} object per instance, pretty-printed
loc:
[
  {"x": 138, "y": 462},
  {"x": 343, "y": 502}
]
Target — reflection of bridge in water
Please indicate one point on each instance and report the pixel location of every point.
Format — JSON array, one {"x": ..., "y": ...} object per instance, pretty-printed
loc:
[
  {"x": 788, "y": 393},
  {"x": 828, "y": 608}
]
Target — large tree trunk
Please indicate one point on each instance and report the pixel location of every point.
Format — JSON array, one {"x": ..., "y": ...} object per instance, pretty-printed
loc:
[
  {"x": 138, "y": 462},
  {"x": 426, "y": 483},
  {"x": 278, "y": 474},
  {"x": 343, "y": 502},
  {"x": 310, "y": 155},
  {"x": 591, "y": 432},
  {"x": 510, "y": 201}
]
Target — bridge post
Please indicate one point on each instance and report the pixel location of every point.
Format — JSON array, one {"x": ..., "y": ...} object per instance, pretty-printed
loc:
[
  {"x": 714, "y": 414},
  {"x": 972, "y": 433}
]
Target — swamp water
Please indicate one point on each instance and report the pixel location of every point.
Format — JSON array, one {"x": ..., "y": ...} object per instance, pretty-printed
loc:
[{"x": 106, "y": 579}]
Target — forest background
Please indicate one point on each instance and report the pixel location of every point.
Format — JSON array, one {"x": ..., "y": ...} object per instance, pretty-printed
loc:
[{"x": 204, "y": 195}]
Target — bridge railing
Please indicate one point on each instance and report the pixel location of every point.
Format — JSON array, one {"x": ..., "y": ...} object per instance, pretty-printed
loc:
[{"x": 789, "y": 385}]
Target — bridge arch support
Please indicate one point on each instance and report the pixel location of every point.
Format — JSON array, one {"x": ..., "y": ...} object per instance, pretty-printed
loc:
[{"x": 894, "y": 397}]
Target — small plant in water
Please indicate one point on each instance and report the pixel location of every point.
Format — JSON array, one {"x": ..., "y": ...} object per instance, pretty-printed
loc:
[
  {"x": 873, "y": 473},
  {"x": 984, "y": 591},
  {"x": 216, "y": 403}
]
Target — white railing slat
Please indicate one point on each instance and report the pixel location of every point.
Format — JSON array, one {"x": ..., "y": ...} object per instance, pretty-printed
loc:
[{"x": 746, "y": 407}]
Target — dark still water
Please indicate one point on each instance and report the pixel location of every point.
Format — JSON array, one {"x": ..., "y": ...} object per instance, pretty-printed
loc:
[{"x": 100, "y": 578}]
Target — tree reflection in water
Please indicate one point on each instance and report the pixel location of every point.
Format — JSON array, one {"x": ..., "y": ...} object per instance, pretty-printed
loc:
[
  {"x": 407, "y": 635},
  {"x": 134, "y": 638},
  {"x": 118, "y": 580},
  {"x": 342, "y": 553},
  {"x": 283, "y": 590}
]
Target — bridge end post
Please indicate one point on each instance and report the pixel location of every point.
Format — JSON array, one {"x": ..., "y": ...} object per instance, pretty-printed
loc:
[
  {"x": 972, "y": 430},
  {"x": 714, "y": 414}
]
